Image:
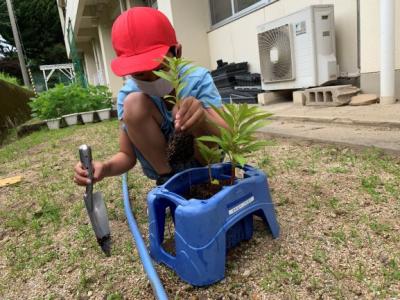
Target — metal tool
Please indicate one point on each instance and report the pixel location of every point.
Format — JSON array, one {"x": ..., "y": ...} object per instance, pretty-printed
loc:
[{"x": 95, "y": 205}]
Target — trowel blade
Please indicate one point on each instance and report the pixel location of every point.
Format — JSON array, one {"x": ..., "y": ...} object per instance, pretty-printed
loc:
[{"x": 97, "y": 212}]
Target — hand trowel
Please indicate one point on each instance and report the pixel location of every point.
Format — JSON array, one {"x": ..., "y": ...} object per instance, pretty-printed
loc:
[{"x": 94, "y": 203}]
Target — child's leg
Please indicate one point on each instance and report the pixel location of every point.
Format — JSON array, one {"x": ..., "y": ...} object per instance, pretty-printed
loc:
[{"x": 143, "y": 121}]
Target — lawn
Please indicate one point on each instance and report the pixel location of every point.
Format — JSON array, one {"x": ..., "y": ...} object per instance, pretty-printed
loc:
[{"x": 338, "y": 209}]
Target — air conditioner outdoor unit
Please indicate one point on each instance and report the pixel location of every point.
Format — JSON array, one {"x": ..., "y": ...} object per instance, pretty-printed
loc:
[{"x": 298, "y": 51}]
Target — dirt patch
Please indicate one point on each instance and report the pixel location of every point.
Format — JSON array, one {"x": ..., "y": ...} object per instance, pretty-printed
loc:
[{"x": 205, "y": 190}]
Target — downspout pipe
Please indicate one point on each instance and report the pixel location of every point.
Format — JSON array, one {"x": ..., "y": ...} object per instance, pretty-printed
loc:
[
  {"x": 155, "y": 282},
  {"x": 387, "y": 51}
]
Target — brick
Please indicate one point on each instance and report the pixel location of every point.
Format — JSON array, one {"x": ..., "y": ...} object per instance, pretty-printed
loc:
[
  {"x": 299, "y": 98},
  {"x": 330, "y": 95}
]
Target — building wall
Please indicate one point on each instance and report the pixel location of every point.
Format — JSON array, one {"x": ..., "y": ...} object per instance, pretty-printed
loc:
[
  {"x": 114, "y": 82},
  {"x": 90, "y": 64},
  {"x": 237, "y": 41},
  {"x": 191, "y": 21},
  {"x": 370, "y": 46},
  {"x": 73, "y": 12},
  {"x": 370, "y": 37}
]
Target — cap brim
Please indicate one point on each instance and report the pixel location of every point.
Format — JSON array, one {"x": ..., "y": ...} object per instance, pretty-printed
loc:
[{"x": 126, "y": 65}]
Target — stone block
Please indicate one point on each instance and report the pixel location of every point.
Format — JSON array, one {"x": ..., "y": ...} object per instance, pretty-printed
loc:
[
  {"x": 364, "y": 99},
  {"x": 273, "y": 97},
  {"x": 337, "y": 95},
  {"x": 299, "y": 98}
]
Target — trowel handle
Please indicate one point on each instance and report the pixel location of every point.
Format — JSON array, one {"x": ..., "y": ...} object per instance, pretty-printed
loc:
[{"x": 85, "y": 155}]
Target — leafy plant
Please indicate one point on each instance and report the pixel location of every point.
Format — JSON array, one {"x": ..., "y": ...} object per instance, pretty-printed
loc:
[
  {"x": 177, "y": 69},
  {"x": 62, "y": 100},
  {"x": 9, "y": 79},
  {"x": 238, "y": 141},
  {"x": 180, "y": 147},
  {"x": 210, "y": 155}
]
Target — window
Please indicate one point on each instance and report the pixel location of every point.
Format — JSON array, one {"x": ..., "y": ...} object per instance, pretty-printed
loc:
[
  {"x": 220, "y": 10},
  {"x": 242, "y": 4},
  {"x": 152, "y": 3},
  {"x": 224, "y": 11}
]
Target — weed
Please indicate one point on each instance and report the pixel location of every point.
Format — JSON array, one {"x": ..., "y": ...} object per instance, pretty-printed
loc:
[
  {"x": 115, "y": 296},
  {"x": 391, "y": 272},
  {"x": 360, "y": 272},
  {"x": 334, "y": 202},
  {"x": 338, "y": 170},
  {"x": 320, "y": 256},
  {"x": 380, "y": 228},
  {"x": 339, "y": 236},
  {"x": 15, "y": 221},
  {"x": 290, "y": 164},
  {"x": 314, "y": 203},
  {"x": 370, "y": 185},
  {"x": 282, "y": 273}
]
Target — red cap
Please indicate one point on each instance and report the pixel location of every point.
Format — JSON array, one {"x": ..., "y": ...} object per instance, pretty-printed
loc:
[{"x": 141, "y": 37}]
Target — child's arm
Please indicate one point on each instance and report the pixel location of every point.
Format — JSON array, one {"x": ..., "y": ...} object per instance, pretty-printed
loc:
[
  {"x": 120, "y": 163},
  {"x": 124, "y": 160}
]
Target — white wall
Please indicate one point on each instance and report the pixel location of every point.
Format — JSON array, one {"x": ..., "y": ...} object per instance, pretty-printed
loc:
[
  {"x": 73, "y": 12},
  {"x": 370, "y": 37},
  {"x": 107, "y": 52},
  {"x": 90, "y": 64},
  {"x": 191, "y": 21},
  {"x": 237, "y": 41}
]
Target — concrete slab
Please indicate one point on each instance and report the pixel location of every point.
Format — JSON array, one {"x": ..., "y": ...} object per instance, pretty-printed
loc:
[
  {"x": 364, "y": 99},
  {"x": 387, "y": 139},
  {"x": 356, "y": 126},
  {"x": 371, "y": 115}
]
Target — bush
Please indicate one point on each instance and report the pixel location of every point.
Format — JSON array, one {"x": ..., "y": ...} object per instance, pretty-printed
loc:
[
  {"x": 9, "y": 79},
  {"x": 63, "y": 100}
]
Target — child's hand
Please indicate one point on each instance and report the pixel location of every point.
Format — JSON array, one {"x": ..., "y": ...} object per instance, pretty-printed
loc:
[
  {"x": 81, "y": 174},
  {"x": 190, "y": 114}
]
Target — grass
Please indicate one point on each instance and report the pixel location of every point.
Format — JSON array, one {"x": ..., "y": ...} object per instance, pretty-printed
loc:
[{"x": 338, "y": 210}]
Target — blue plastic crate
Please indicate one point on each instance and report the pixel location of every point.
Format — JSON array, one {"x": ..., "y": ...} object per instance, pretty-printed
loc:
[{"x": 206, "y": 229}]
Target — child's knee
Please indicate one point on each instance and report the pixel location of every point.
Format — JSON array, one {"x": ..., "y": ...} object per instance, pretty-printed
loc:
[{"x": 137, "y": 107}]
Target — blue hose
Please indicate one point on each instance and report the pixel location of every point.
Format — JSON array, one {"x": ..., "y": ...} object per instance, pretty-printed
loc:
[{"x": 156, "y": 284}]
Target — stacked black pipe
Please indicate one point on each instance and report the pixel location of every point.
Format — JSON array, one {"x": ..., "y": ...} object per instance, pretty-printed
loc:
[{"x": 235, "y": 83}]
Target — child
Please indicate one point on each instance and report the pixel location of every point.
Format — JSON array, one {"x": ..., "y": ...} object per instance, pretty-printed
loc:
[{"x": 141, "y": 37}]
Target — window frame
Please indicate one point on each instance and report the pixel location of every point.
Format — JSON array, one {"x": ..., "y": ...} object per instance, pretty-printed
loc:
[{"x": 235, "y": 16}]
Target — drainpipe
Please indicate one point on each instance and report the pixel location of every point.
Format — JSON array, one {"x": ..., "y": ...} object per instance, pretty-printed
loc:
[
  {"x": 122, "y": 6},
  {"x": 387, "y": 51}
]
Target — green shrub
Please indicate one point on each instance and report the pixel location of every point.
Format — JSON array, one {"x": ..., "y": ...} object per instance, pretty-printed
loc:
[
  {"x": 63, "y": 100},
  {"x": 9, "y": 79}
]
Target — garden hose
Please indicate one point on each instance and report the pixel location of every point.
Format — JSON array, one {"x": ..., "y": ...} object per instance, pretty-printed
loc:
[{"x": 155, "y": 282}]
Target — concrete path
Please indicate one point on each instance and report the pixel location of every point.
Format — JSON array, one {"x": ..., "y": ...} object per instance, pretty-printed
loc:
[{"x": 367, "y": 126}]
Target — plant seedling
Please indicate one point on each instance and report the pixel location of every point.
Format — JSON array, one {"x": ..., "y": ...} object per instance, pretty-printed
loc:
[
  {"x": 180, "y": 147},
  {"x": 238, "y": 141},
  {"x": 174, "y": 75},
  {"x": 210, "y": 155}
]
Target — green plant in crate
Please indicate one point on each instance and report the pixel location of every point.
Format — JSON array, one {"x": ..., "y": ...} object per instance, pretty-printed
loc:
[
  {"x": 211, "y": 155},
  {"x": 238, "y": 141}
]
